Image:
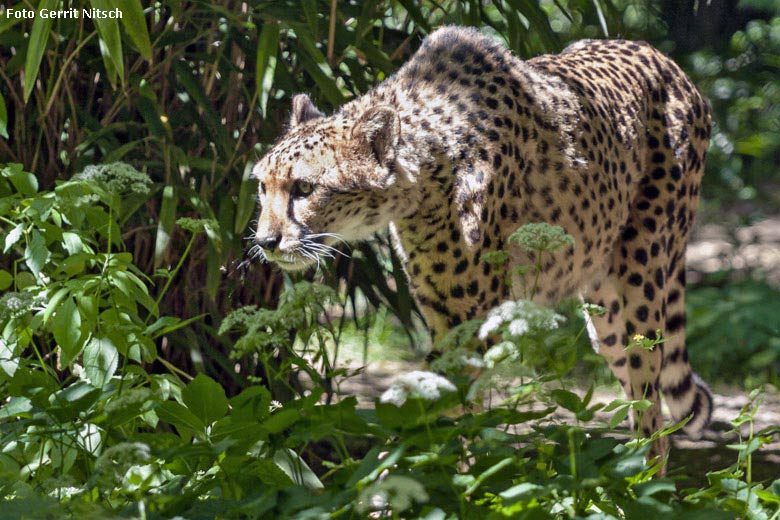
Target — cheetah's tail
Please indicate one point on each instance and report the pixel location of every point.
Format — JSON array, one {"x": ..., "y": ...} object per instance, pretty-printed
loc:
[{"x": 691, "y": 397}]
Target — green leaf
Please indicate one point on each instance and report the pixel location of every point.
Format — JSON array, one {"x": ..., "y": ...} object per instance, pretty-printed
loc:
[
  {"x": 24, "y": 182},
  {"x": 214, "y": 274},
  {"x": 251, "y": 405},
  {"x": 69, "y": 402},
  {"x": 568, "y": 400},
  {"x": 768, "y": 496},
  {"x": 54, "y": 302},
  {"x": 168, "y": 324},
  {"x": 17, "y": 406},
  {"x": 9, "y": 360},
  {"x": 180, "y": 417},
  {"x": 132, "y": 287},
  {"x": 67, "y": 330},
  {"x": 619, "y": 417},
  {"x": 39, "y": 37},
  {"x": 165, "y": 225},
  {"x": 602, "y": 20},
  {"x": 414, "y": 11},
  {"x": 281, "y": 420},
  {"x": 524, "y": 491},
  {"x": 377, "y": 58},
  {"x": 13, "y": 237},
  {"x": 309, "y": 8},
  {"x": 317, "y": 65},
  {"x": 36, "y": 255},
  {"x": 135, "y": 25},
  {"x": 267, "y": 47},
  {"x": 295, "y": 468},
  {"x": 3, "y": 118},
  {"x": 247, "y": 205},
  {"x": 150, "y": 112},
  {"x": 494, "y": 469},
  {"x": 205, "y": 398},
  {"x": 539, "y": 21},
  {"x": 6, "y": 279},
  {"x": 72, "y": 243},
  {"x": 374, "y": 463},
  {"x": 270, "y": 473},
  {"x": 118, "y": 153},
  {"x": 101, "y": 360},
  {"x": 108, "y": 29}
]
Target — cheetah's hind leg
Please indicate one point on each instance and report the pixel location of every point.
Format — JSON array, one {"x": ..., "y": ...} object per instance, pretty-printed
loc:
[{"x": 685, "y": 393}]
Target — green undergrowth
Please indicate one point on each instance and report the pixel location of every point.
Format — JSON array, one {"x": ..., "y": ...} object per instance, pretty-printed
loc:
[
  {"x": 95, "y": 423},
  {"x": 735, "y": 324}
]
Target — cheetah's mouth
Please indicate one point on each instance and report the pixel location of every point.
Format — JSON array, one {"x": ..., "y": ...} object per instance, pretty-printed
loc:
[
  {"x": 290, "y": 262},
  {"x": 311, "y": 250}
]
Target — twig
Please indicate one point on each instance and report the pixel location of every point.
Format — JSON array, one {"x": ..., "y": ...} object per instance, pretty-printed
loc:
[{"x": 332, "y": 32}]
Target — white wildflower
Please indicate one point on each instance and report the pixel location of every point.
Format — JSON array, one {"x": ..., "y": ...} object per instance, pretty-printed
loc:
[
  {"x": 78, "y": 370},
  {"x": 395, "y": 395},
  {"x": 378, "y": 501},
  {"x": 491, "y": 325},
  {"x": 520, "y": 317},
  {"x": 425, "y": 385},
  {"x": 497, "y": 353},
  {"x": 473, "y": 361},
  {"x": 518, "y": 327}
]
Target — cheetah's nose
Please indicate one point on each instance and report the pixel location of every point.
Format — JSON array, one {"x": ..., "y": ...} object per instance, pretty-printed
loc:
[{"x": 268, "y": 243}]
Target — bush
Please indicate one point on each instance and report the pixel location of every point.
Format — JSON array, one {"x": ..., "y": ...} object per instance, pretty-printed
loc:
[
  {"x": 100, "y": 416},
  {"x": 733, "y": 331}
]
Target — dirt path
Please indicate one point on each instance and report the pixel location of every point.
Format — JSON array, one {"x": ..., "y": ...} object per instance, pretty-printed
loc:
[{"x": 751, "y": 249}]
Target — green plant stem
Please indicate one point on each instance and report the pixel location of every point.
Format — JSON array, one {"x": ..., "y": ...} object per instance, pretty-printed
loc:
[
  {"x": 63, "y": 70},
  {"x": 173, "y": 368},
  {"x": 573, "y": 464},
  {"x": 171, "y": 276},
  {"x": 538, "y": 273}
]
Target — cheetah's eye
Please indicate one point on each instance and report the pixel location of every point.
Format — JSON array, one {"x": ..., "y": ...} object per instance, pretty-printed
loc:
[{"x": 301, "y": 189}]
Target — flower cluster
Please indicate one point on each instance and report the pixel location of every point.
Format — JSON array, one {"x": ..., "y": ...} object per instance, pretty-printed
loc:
[
  {"x": 541, "y": 237},
  {"x": 196, "y": 225},
  {"x": 15, "y": 304},
  {"x": 112, "y": 466},
  {"x": 516, "y": 318},
  {"x": 118, "y": 178},
  {"x": 425, "y": 385}
]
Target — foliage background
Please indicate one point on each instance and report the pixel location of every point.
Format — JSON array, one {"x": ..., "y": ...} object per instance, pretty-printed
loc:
[{"x": 190, "y": 93}]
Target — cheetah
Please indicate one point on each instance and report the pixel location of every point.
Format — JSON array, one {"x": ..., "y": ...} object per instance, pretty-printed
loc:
[{"x": 466, "y": 142}]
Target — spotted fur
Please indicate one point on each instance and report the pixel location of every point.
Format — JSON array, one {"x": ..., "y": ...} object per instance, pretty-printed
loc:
[{"x": 466, "y": 143}]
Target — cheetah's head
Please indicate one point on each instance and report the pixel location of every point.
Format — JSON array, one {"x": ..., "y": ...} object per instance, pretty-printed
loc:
[{"x": 329, "y": 179}]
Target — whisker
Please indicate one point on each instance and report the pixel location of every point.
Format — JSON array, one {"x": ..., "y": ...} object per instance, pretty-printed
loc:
[
  {"x": 324, "y": 248},
  {"x": 321, "y": 249},
  {"x": 334, "y": 236},
  {"x": 317, "y": 250}
]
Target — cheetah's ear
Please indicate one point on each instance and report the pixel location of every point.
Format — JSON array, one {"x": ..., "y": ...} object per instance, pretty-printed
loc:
[
  {"x": 380, "y": 128},
  {"x": 303, "y": 110}
]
